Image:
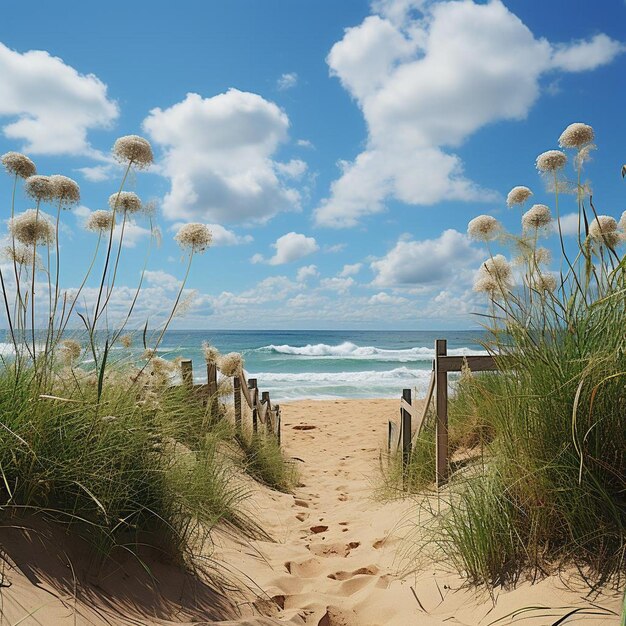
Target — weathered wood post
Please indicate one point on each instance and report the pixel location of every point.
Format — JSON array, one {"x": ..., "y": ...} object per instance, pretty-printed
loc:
[
  {"x": 406, "y": 436},
  {"x": 186, "y": 370},
  {"x": 211, "y": 383},
  {"x": 265, "y": 399},
  {"x": 441, "y": 375},
  {"x": 237, "y": 401},
  {"x": 389, "y": 433},
  {"x": 277, "y": 407},
  {"x": 254, "y": 398}
]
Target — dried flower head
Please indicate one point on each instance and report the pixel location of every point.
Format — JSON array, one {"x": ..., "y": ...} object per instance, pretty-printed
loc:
[
  {"x": 622, "y": 221},
  {"x": 21, "y": 255},
  {"x": 39, "y": 188},
  {"x": 230, "y": 364},
  {"x": 518, "y": 195},
  {"x": 551, "y": 161},
  {"x": 133, "y": 149},
  {"x": 161, "y": 371},
  {"x": 195, "y": 237},
  {"x": 576, "y": 135},
  {"x": 148, "y": 354},
  {"x": 125, "y": 201},
  {"x": 211, "y": 353},
  {"x": 603, "y": 230},
  {"x": 184, "y": 306},
  {"x": 498, "y": 267},
  {"x": 544, "y": 282},
  {"x": 18, "y": 164},
  {"x": 70, "y": 351},
  {"x": 99, "y": 221},
  {"x": 484, "y": 228},
  {"x": 538, "y": 216},
  {"x": 65, "y": 190},
  {"x": 32, "y": 227},
  {"x": 487, "y": 284},
  {"x": 582, "y": 156},
  {"x": 126, "y": 341},
  {"x": 543, "y": 256}
]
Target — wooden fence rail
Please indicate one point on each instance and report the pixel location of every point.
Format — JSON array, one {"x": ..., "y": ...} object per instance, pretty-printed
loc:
[
  {"x": 263, "y": 412},
  {"x": 438, "y": 387}
]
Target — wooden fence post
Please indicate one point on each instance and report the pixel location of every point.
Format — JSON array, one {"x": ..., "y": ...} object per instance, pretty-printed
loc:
[
  {"x": 277, "y": 407},
  {"x": 265, "y": 399},
  {"x": 237, "y": 401},
  {"x": 441, "y": 349},
  {"x": 186, "y": 370},
  {"x": 211, "y": 382},
  {"x": 406, "y": 436},
  {"x": 252, "y": 384}
]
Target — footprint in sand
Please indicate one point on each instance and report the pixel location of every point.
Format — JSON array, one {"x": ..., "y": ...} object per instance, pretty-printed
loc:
[
  {"x": 370, "y": 570},
  {"x": 334, "y": 549},
  {"x": 342, "y": 497},
  {"x": 335, "y": 616},
  {"x": 318, "y": 529},
  {"x": 311, "y": 568},
  {"x": 379, "y": 544},
  {"x": 302, "y": 503},
  {"x": 302, "y": 516},
  {"x": 304, "y": 427}
]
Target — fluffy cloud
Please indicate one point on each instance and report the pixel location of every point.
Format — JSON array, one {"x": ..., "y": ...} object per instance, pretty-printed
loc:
[
  {"x": 290, "y": 247},
  {"x": 51, "y": 104},
  {"x": 340, "y": 285},
  {"x": 351, "y": 269},
  {"x": 218, "y": 156},
  {"x": 159, "y": 278},
  {"x": 409, "y": 75},
  {"x": 306, "y": 272},
  {"x": 385, "y": 298},
  {"x": 425, "y": 263},
  {"x": 287, "y": 81}
]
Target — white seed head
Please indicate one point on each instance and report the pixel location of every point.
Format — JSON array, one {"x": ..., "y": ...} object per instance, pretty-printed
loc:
[
  {"x": 543, "y": 256},
  {"x": 18, "y": 164},
  {"x": 133, "y": 149},
  {"x": 576, "y": 135},
  {"x": 225, "y": 387},
  {"x": 65, "y": 190},
  {"x": 211, "y": 353},
  {"x": 545, "y": 282},
  {"x": 518, "y": 195},
  {"x": 125, "y": 201},
  {"x": 498, "y": 267},
  {"x": 39, "y": 188},
  {"x": 230, "y": 364},
  {"x": 195, "y": 237},
  {"x": 20, "y": 255},
  {"x": 32, "y": 227},
  {"x": 603, "y": 230},
  {"x": 99, "y": 221},
  {"x": 148, "y": 354},
  {"x": 538, "y": 216},
  {"x": 484, "y": 228},
  {"x": 70, "y": 351},
  {"x": 488, "y": 285},
  {"x": 622, "y": 221},
  {"x": 551, "y": 161}
]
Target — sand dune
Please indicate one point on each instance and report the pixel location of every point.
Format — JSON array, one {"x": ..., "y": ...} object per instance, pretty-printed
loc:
[{"x": 338, "y": 559}]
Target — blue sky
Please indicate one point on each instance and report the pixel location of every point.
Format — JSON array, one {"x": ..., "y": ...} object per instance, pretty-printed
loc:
[{"x": 338, "y": 149}]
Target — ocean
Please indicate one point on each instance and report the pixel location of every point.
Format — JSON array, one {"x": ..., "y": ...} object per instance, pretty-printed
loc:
[{"x": 296, "y": 364}]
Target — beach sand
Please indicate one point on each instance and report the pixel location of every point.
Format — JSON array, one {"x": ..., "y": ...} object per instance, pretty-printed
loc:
[{"x": 339, "y": 558}]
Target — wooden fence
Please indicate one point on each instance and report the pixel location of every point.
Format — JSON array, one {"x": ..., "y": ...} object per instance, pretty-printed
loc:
[
  {"x": 260, "y": 405},
  {"x": 408, "y": 432}
]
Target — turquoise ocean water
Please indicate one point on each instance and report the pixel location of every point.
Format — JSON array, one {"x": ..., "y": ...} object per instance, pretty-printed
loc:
[{"x": 294, "y": 364}]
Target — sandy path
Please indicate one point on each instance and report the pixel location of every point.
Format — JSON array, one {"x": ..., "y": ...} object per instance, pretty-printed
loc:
[{"x": 336, "y": 560}]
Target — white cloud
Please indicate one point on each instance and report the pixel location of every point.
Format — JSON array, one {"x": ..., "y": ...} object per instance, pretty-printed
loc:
[
  {"x": 570, "y": 224},
  {"x": 337, "y": 247},
  {"x": 97, "y": 173},
  {"x": 306, "y": 272},
  {"x": 218, "y": 156},
  {"x": 287, "y": 81},
  {"x": 304, "y": 143},
  {"x": 385, "y": 298},
  {"x": 582, "y": 55},
  {"x": 409, "y": 76},
  {"x": 52, "y": 106},
  {"x": 290, "y": 247},
  {"x": 351, "y": 269},
  {"x": 159, "y": 278},
  {"x": 292, "y": 169},
  {"x": 341, "y": 285},
  {"x": 427, "y": 262}
]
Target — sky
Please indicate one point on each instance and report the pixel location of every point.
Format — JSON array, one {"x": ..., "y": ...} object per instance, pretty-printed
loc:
[{"x": 336, "y": 149}]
